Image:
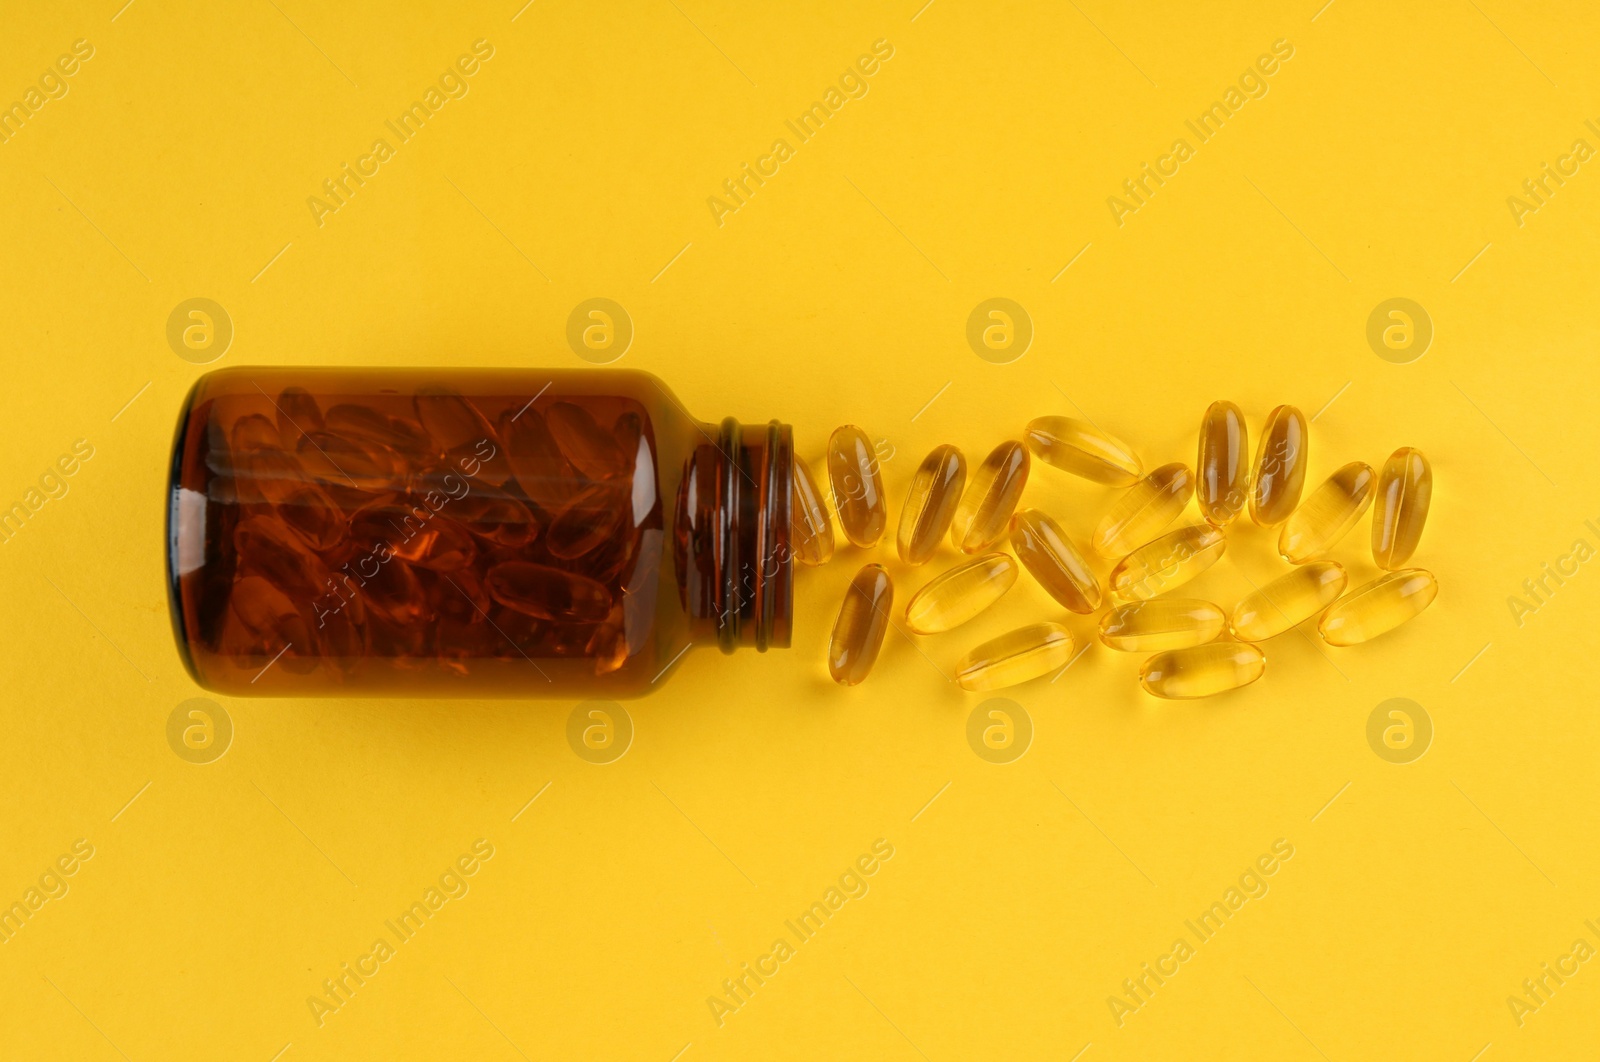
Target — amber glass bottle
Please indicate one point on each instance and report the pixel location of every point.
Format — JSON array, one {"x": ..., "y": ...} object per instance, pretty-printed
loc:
[{"x": 446, "y": 532}]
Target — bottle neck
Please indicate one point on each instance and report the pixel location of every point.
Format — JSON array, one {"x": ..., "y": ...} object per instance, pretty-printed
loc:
[{"x": 735, "y": 563}]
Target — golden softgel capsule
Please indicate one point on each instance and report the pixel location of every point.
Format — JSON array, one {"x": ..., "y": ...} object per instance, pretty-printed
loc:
[
  {"x": 959, "y": 594},
  {"x": 1405, "y": 487},
  {"x": 1379, "y": 607},
  {"x": 1222, "y": 472},
  {"x": 859, "y": 630},
  {"x": 1202, "y": 671},
  {"x": 1287, "y": 601},
  {"x": 857, "y": 486},
  {"x": 1165, "y": 623},
  {"x": 1329, "y": 514},
  {"x": 1168, "y": 562},
  {"x": 810, "y": 527},
  {"x": 1079, "y": 447},
  {"x": 1020, "y": 655},
  {"x": 1280, "y": 473},
  {"x": 1052, "y": 559},
  {"x": 1144, "y": 511},
  {"x": 931, "y": 505},
  {"x": 986, "y": 507}
]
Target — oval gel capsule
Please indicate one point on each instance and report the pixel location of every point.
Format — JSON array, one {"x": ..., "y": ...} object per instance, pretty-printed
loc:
[
  {"x": 1015, "y": 657},
  {"x": 1329, "y": 514},
  {"x": 1165, "y": 623},
  {"x": 1405, "y": 487},
  {"x": 810, "y": 527},
  {"x": 1202, "y": 671},
  {"x": 986, "y": 507},
  {"x": 1222, "y": 472},
  {"x": 1052, "y": 559},
  {"x": 1079, "y": 447},
  {"x": 959, "y": 594},
  {"x": 931, "y": 504},
  {"x": 1168, "y": 562},
  {"x": 1379, "y": 607},
  {"x": 857, "y": 486},
  {"x": 1288, "y": 601},
  {"x": 1144, "y": 511},
  {"x": 1280, "y": 472},
  {"x": 859, "y": 630}
]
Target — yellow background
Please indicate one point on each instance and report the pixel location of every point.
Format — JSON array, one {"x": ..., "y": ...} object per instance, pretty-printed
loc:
[{"x": 978, "y": 165}]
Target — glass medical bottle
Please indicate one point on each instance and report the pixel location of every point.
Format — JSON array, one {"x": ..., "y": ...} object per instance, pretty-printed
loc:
[{"x": 467, "y": 533}]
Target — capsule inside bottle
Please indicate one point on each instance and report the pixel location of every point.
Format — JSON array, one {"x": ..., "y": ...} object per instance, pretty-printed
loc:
[
  {"x": 810, "y": 526},
  {"x": 1405, "y": 489},
  {"x": 1288, "y": 601},
  {"x": 1222, "y": 471},
  {"x": 1165, "y": 623},
  {"x": 1015, "y": 657},
  {"x": 931, "y": 504},
  {"x": 1202, "y": 671},
  {"x": 1144, "y": 510},
  {"x": 1082, "y": 449},
  {"x": 1168, "y": 562},
  {"x": 863, "y": 620},
  {"x": 857, "y": 486},
  {"x": 1378, "y": 607},
  {"x": 1280, "y": 471},
  {"x": 1328, "y": 515},
  {"x": 1052, "y": 559},
  {"x": 959, "y": 594},
  {"x": 986, "y": 507}
]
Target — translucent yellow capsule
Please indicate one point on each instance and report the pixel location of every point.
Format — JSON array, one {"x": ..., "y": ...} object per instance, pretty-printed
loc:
[
  {"x": 1329, "y": 514},
  {"x": 1023, "y": 654},
  {"x": 859, "y": 630},
  {"x": 986, "y": 508},
  {"x": 1288, "y": 601},
  {"x": 857, "y": 486},
  {"x": 1084, "y": 450},
  {"x": 1280, "y": 473},
  {"x": 1052, "y": 559},
  {"x": 810, "y": 527},
  {"x": 1379, "y": 607},
  {"x": 931, "y": 505},
  {"x": 1147, "y": 508},
  {"x": 1222, "y": 473},
  {"x": 1405, "y": 487},
  {"x": 1165, "y": 623},
  {"x": 951, "y": 599},
  {"x": 1168, "y": 562},
  {"x": 1202, "y": 670}
]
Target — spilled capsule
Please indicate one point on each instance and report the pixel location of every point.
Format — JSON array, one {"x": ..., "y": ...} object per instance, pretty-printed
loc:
[
  {"x": 810, "y": 527},
  {"x": 1144, "y": 510},
  {"x": 1288, "y": 601},
  {"x": 1222, "y": 469},
  {"x": 1165, "y": 623},
  {"x": 1378, "y": 607},
  {"x": 1167, "y": 562},
  {"x": 956, "y": 596},
  {"x": 986, "y": 507},
  {"x": 931, "y": 504},
  {"x": 1405, "y": 487},
  {"x": 859, "y": 630},
  {"x": 1202, "y": 670},
  {"x": 857, "y": 486},
  {"x": 1052, "y": 559},
  {"x": 1329, "y": 514},
  {"x": 1079, "y": 447},
  {"x": 1280, "y": 472},
  {"x": 1015, "y": 657}
]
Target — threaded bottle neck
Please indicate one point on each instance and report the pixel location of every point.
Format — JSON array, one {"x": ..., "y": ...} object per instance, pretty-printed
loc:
[{"x": 734, "y": 559}]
